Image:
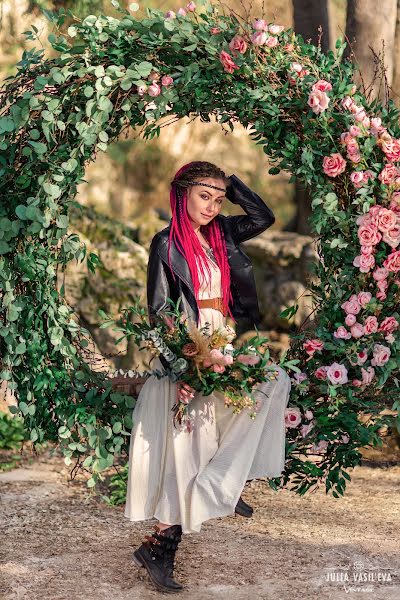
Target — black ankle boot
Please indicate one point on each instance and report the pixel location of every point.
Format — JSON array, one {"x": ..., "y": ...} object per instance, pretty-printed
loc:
[
  {"x": 157, "y": 555},
  {"x": 243, "y": 509}
]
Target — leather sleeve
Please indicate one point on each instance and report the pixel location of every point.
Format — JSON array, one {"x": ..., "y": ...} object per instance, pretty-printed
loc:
[
  {"x": 258, "y": 215},
  {"x": 158, "y": 287}
]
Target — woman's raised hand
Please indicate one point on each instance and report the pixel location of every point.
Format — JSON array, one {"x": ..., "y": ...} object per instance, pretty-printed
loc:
[{"x": 185, "y": 392}]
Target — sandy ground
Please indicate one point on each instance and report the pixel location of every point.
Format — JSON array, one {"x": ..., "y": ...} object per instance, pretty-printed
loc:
[{"x": 60, "y": 542}]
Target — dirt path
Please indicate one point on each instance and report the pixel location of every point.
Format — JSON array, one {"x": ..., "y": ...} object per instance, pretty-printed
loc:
[{"x": 60, "y": 543}]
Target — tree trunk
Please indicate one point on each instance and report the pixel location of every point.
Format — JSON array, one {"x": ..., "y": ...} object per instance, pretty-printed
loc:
[
  {"x": 370, "y": 28},
  {"x": 309, "y": 16}
]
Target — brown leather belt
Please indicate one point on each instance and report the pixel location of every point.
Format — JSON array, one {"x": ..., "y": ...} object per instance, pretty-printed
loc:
[{"x": 215, "y": 303}]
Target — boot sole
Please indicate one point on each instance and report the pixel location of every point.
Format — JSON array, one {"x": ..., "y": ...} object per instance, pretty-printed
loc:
[{"x": 139, "y": 562}]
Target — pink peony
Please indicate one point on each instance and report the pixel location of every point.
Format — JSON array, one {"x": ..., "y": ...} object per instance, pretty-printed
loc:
[
  {"x": 334, "y": 164},
  {"x": 320, "y": 373},
  {"x": 388, "y": 325},
  {"x": 314, "y": 345},
  {"x": 322, "y": 86},
  {"x": 259, "y": 38},
  {"x": 227, "y": 62},
  {"x": 238, "y": 44},
  {"x": 371, "y": 325},
  {"x": 342, "y": 333},
  {"x": 337, "y": 374},
  {"x": 318, "y": 101},
  {"x": 363, "y": 298},
  {"x": 392, "y": 262},
  {"x": 381, "y": 355},
  {"x": 357, "y": 330},
  {"x": 367, "y": 375},
  {"x": 292, "y": 416}
]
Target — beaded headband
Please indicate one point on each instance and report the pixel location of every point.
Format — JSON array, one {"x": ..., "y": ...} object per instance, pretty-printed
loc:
[{"x": 177, "y": 181}]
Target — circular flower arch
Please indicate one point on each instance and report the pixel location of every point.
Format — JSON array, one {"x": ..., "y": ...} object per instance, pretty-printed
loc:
[{"x": 302, "y": 107}]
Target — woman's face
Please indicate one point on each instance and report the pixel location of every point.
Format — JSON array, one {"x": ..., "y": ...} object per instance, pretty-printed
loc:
[{"x": 204, "y": 203}]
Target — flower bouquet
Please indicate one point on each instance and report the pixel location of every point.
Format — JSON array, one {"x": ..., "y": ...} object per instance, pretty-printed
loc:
[{"x": 206, "y": 360}]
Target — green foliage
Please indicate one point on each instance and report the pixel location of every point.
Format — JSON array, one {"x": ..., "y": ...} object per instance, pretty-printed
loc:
[{"x": 58, "y": 113}]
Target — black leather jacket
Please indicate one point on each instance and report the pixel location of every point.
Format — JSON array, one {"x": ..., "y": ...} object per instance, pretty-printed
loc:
[{"x": 237, "y": 229}]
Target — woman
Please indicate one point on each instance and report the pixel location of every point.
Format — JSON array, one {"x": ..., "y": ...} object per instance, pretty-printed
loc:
[{"x": 184, "y": 477}]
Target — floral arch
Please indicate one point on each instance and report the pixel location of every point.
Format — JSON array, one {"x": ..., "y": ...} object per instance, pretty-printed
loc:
[{"x": 109, "y": 74}]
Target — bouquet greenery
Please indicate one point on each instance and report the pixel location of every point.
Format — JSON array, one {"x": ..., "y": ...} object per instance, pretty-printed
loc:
[{"x": 205, "y": 359}]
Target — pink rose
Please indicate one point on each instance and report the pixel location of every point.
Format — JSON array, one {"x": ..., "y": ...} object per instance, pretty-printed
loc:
[
  {"x": 167, "y": 80},
  {"x": 357, "y": 330},
  {"x": 388, "y": 174},
  {"x": 227, "y": 62},
  {"x": 368, "y": 174},
  {"x": 357, "y": 177},
  {"x": 289, "y": 47},
  {"x": 381, "y": 355},
  {"x": 305, "y": 429},
  {"x": 347, "y": 103},
  {"x": 352, "y": 145},
  {"x": 380, "y": 273},
  {"x": 351, "y": 306},
  {"x": 392, "y": 149},
  {"x": 337, "y": 373},
  {"x": 362, "y": 356},
  {"x": 238, "y": 44},
  {"x": 381, "y": 295},
  {"x": 154, "y": 89},
  {"x": 334, "y": 164},
  {"x": 218, "y": 368},
  {"x": 318, "y": 101},
  {"x": 320, "y": 373},
  {"x": 181, "y": 12},
  {"x": 228, "y": 359},
  {"x": 342, "y": 333},
  {"x": 299, "y": 377},
  {"x": 383, "y": 285},
  {"x": 392, "y": 237},
  {"x": 272, "y": 42},
  {"x": 322, "y": 86},
  {"x": 367, "y": 375},
  {"x": 308, "y": 414},
  {"x": 345, "y": 438},
  {"x": 363, "y": 298},
  {"x": 170, "y": 14},
  {"x": 357, "y": 382},
  {"x": 314, "y": 345},
  {"x": 191, "y": 7},
  {"x": 388, "y": 325},
  {"x": 248, "y": 359},
  {"x": 360, "y": 115},
  {"x": 292, "y": 416},
  {"x": 350, "y": 320},
  {"x": 390, "y": 338},
  {"x": 364, "y": 262},
  {"x": 376, "y": 126},
  {"x": 296, "y": 67},
  {"x": 320, "y": 447},
  {"x": 386, "y": 220},
  {"x": 369, "y": 235},
  {"x": 354, "y": 130},
  {"x": 260, "y": 25},
  {"x": 345, "y": 137},
  {"x": 275, "y": 29},
  {"x": 392, "y": 262},
  {"x": 259, "y": 38},
  {"x": 141, "y": 90},
  {"x": 371, "y": 325},
  {"x": 366, "y": 249}
]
